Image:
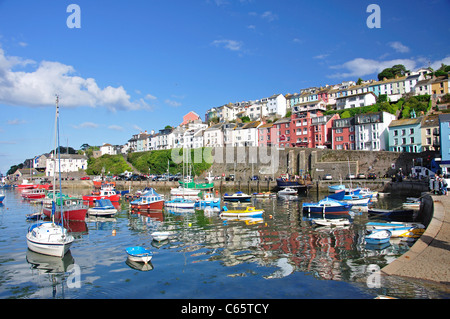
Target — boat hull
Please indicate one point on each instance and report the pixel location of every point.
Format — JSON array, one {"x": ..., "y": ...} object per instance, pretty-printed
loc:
[
  {"x": 331, "y": 222},
  {"x": 158, "y": 205},
  {"x": 241, "y": 214},
  {"x": 209, "y": 203},
  {"x": 139, "y": 254},
  {"x": 78, "y": 214},
  {"x": 180, "y": 205},
  {"x": 57, "y": 250},
  {"x": 91, "y": 198},
  {"x": 336, "y": 188},
  {"x": 160, "y": 236},
  {"x": 378, "y": 237},
  {"x": 336, "y": 210},
  {"x": 101, "y": 212},
  {"x": 42, "y": 239},
  {"x": 196, "y": 186}
]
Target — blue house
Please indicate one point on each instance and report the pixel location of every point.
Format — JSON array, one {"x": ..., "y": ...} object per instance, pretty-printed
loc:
[
  {"x": 444, "y": 128},
  {"x": 405, "y": 135}
]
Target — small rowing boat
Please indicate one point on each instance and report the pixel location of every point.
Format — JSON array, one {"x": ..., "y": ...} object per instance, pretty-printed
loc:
[
  {"x": 139, "y": 254},
  {"x": 378, "y": 237},
  {"x": 160, "y": 235},
  {"x": 249, "y": 211},
  {"x": 102, "y": 208}
]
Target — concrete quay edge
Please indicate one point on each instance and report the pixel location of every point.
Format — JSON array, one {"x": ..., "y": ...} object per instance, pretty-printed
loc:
[{"x": 429, "y": 258}]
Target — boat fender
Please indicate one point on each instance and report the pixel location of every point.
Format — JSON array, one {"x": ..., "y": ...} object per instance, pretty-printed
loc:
[{"x": 224, "y": 208}]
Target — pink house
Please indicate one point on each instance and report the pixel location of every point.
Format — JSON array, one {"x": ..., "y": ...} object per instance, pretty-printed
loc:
[
  {"x": 267, "y": 135},
  {"x": 190, "y": 117}
]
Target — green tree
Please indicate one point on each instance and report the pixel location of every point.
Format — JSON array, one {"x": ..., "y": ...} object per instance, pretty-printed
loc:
[{"x": 390, "y": 73}]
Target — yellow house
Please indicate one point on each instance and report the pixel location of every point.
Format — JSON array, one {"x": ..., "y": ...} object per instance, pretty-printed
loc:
[{"x": 439, "y": 86}]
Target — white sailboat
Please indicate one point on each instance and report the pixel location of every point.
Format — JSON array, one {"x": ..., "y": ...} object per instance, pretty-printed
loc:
[{"x": 49, "y": 238}]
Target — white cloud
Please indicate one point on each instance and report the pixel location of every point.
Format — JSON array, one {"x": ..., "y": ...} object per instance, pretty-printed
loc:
[
  {"x": 437, "y": 64},
  {"x": 321, "y": 56},
  {"x": 232, "y": 45},
  {"x": 399, "y": 47},
  {"x": 172, "y": 103},
  {"x": 39, "y": 86},
  {"x": 116, "y": 128},
  {"x": 85, "y": 125},
  {"x": 150, "y": 97},
  {"x": 269, "y": 16},
  {"x": 16, "y": 122},
  {"x": 360, "y": 67}
]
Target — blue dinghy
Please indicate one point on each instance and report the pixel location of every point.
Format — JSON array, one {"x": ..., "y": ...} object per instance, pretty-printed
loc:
[{"x": 139, "y": 254}]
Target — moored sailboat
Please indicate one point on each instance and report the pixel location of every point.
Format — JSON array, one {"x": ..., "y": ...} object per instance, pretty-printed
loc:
[{"x": 49, "y": 238}]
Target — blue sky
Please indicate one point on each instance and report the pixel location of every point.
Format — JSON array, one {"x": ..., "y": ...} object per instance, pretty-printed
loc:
[{"x": 143, "y": 64}]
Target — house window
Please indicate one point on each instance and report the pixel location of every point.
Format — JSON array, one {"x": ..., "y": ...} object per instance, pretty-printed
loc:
[
  {"x": 411, "y": 131},
  {"x": 395, "y": 133},
  {"x": 411, "y": 140}
]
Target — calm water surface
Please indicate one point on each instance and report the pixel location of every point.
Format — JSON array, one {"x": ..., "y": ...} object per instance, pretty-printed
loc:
[{"x": 278, "y": 256}]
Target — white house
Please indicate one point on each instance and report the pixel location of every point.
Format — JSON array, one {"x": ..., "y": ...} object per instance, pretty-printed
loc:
[
  {"x": 213, "y": 136},
  {"x": 108, "y": 149},
  {"x": 40, "y": 162},
  {"x": 189, "y": 135},
  {"x": 229, "y": 112},
  {"x": 163, "y": 140},
  {"x": 355, "y": 100},
  {"x": 246, "y": 134},
  {"x": 276, "y": 104},
  {"x": 257, "y": 110},
  {"x": 69, "y": 163},
  {"x": 372, "y": 131},
  {"x": 423, "y": 87}
]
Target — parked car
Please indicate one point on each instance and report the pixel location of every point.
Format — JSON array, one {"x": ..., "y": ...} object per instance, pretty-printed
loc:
[
  {"x": 230, "y": 177},
  {"x": 85, "y": 178},
  {"x": 361, "y": 176},
  {"x": 350, "y": 176},
  {"x": 372, "y": 176},
  {"x": 328, "y": 177}
]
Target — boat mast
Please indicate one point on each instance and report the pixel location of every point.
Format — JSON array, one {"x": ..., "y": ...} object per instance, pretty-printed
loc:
[
  {"x": 59, "y": 165},
  {"x": 54, "y": 163}
]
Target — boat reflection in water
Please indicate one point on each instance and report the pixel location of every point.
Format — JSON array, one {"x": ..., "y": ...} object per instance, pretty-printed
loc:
[{"x": 53, "y": 267}]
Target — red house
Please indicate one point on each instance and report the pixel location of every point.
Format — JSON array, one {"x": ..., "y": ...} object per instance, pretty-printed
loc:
[
  {"x": 283, "y": 132},
  {"x": 321, "y": 127},
  {"x": 343, "y": 134},
  {"x": 190, "y": 117},
  {"x": 301, "y": 134}
]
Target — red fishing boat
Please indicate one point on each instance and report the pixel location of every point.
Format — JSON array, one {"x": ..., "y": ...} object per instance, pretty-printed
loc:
[
  {"x": 73, "y": 207},
  {"x": 148, "y": 201},
  {"x": 33, "y": 193},
  {"x": 102, "y": 194}
]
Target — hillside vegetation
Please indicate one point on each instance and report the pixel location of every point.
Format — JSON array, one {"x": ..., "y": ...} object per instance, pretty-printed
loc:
[
  {"x": 158, "y": 161},
  {"x": 107, "y": 164}
]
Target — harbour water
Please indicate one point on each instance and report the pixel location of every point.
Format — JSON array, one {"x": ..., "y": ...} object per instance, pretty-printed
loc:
[{"x": 280, "y": 256}]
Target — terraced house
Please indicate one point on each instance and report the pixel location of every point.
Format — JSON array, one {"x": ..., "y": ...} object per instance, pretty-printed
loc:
[{"x": 405, "y": 135}]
